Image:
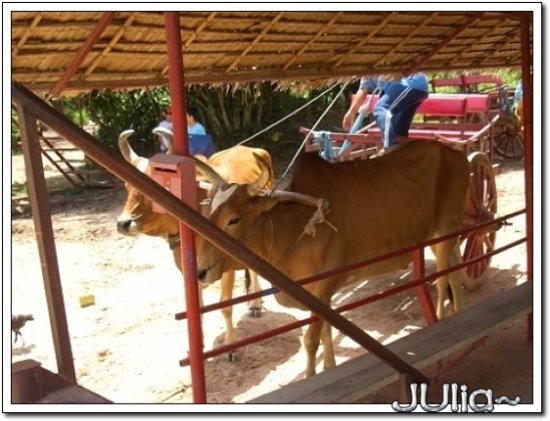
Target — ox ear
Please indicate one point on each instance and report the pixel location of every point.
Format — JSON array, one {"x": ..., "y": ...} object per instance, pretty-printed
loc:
[
  {"x": 207, "y": 171},
  {"x": 128, "y": 153},
  {"x": 265, "y": 176}
]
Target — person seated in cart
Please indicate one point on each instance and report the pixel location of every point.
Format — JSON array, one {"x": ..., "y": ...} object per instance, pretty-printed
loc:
[
  {"x": 200, "y": 143},
  {"x": 395, "y": 109},
  {"x": 165, "y": 140}
]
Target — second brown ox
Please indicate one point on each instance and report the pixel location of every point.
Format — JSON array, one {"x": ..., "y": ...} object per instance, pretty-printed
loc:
[
  {"x": 413, "y": 194},
  {"x": 235, "y": 165}
]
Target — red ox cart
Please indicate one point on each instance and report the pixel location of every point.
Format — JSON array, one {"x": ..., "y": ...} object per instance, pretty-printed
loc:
[{"x": 508, "y": 139}]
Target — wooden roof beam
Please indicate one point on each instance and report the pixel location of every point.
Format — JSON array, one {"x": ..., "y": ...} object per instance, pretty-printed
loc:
[
  {"x": 474, "y": 17},
  {"x": 121, "y": 81},
  {"x": 256, "y": 41},
  {"x": 479, "y": 41},
  {"x": 312, "y": 40},
  {"x": 26, "y": 35},
  {"x": 500, "y": 16},
  {"x": 500, "y": 46},
  {"x": 192, "y": 38},
  {"x": 407, "y": 38},
  {"x": 111, "y": 44},
  {"x": 364, "y": 40},
  {"x": 105, "y": 20}
]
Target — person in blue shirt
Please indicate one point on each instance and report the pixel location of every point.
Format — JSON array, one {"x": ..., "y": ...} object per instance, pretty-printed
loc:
[
  {"x": 200, "y": 143},
  {"x": 396, "y": 107},
  {"x": 193, "y": 125}
]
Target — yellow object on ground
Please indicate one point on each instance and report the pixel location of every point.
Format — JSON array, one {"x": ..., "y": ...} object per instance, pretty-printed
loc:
[{"x": 87, "y": 300}]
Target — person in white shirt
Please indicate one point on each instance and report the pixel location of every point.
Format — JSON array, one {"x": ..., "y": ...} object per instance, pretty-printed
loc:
[{"x": 164, "y": 140}]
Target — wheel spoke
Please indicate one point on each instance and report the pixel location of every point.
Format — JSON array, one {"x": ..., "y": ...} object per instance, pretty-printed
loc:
[
  {"x": 478, "y": 266},
  {"x": 475, "y": 194},
  {"x": 470, "y": 240},
  {"x": 482, "y": 206},
  {"x": 489, "y": 241}
]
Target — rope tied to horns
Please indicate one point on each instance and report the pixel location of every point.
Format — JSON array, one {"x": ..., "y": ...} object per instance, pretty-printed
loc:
[{"x": 318, "y": 217}]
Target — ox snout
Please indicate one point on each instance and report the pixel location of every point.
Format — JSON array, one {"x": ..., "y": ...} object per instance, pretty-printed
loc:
[
  {"x": 124, "y": 226},
  {"x": 208, "y": 275},
  {"x": 201, "y": 275}
]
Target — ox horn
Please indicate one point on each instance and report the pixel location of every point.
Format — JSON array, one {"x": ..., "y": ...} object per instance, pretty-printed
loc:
[
  {"x": 168, "y": 135},
  {"x": 258, "y": 185},
  {"x": 128, "y": 153},
  {"x": 299, "y": 198},
  {"x": 211, "y": 174},
  {"x": 125, "y": 148}
]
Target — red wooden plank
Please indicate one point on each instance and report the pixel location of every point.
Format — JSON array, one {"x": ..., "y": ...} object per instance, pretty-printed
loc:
[
  {"x": 477, "y": 79},
  {"x": 446, "y": 105},
  {"x": 478, "y": 103}
]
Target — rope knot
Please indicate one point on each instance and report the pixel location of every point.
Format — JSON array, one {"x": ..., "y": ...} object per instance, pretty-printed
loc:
[{"x": 318, "y": 218}]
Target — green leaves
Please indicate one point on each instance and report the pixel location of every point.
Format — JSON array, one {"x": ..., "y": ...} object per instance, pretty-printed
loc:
[{"x": 140, "y": 110}]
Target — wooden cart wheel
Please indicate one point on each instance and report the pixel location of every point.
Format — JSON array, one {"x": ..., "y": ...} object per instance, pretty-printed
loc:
[
  {"x": 481, "y": 207},
  {"x": 509, "y": 143}
]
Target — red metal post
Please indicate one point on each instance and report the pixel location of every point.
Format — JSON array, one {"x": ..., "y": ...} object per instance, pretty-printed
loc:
[
  {"x": 527, "y": 80},
  {"x": 188, "y": 260},
  {"x": 419, "y": 272}
]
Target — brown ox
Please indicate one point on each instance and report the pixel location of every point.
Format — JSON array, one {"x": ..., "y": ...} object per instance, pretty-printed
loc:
[
  {"x": 235, "y": 165},
  {"x": 412, "y": 194}
]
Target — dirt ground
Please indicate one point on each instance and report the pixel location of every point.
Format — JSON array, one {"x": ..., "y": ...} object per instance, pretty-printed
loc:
[{"x": 127, "y": 345}]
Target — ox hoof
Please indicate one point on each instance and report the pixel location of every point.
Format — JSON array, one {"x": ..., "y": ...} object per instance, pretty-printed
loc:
[
  {"x": 471, "y": 284},
  {"x": 254, "y": 312},
  {"x": 232, "y": 357}
]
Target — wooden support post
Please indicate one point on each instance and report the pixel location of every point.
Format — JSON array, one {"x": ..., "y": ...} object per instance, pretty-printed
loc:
[
  {"x": 404, "y": 388},
  {"x": 527, "y": 81},
  {"x": 38, "y": 197}
]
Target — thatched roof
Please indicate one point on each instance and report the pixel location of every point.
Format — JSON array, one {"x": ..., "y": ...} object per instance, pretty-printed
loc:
[{"x": 222, "y": 47}]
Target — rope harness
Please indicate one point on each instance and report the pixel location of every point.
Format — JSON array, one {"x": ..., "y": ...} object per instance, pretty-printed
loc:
[
  {"x": 310, "y": 229},
  {"x": 174, "y": 241}
]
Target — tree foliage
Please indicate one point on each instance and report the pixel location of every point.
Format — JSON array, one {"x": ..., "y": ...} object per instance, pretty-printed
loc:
[
  {"x": 230, "y": 114},
  {"x": 116, "y": 111}
]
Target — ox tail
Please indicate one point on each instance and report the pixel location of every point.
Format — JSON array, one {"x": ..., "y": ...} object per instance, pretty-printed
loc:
[{"x": 247, "y": 280}]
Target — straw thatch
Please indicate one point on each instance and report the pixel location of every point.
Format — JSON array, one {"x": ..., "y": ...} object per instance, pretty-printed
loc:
[{"x": 228, "y": 47}]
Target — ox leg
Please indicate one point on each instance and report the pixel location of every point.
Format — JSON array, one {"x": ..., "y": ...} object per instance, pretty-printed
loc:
[
  {"x": 442, "y": 283},
  {"x": 329, "y": 360},
  {"x": 445, "y": 257},
  {"x": 455, "y": 278},
  {"x": 255, "y": 305},
  {"x": 311, "y": 344},
  {"x": 227, "y": 283}
]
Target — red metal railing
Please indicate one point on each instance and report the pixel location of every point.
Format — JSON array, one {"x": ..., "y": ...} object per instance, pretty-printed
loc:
[{"x": 419, "y": 280}]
